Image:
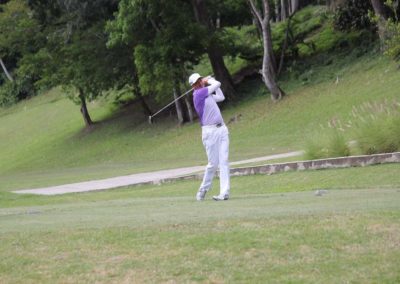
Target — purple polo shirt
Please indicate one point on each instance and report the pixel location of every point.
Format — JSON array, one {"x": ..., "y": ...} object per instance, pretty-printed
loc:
[{"x": 206, "y": 107}]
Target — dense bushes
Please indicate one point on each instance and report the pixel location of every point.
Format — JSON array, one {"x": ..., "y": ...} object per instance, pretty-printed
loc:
[
  {"x": 392, "y": 44},
  {"x": 393, "y": 41},
  {"x": 12, "y": 92},
  {"x": 353, "y": 15}
]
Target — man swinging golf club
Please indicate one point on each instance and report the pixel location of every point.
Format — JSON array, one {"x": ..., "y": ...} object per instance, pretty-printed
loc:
[{"x": 215, "y": 135}]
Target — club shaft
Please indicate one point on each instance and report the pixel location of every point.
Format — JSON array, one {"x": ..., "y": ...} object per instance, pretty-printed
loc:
[{"x": 184, "y": 94}]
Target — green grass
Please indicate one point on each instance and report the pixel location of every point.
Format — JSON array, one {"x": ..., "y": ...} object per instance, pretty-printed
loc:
[
  {"x": 353, "y": 178},
  {"x": 274, "y": 229},
  {"x": 44, "y": 143}
]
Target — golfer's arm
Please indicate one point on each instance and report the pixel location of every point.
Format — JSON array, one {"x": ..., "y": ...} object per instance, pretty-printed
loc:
[
  {"x": 214, "y": 85},
  {"x": 219, "y": 95}
]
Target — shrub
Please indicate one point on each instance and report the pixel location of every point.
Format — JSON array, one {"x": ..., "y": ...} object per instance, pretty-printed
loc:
[
  {"x": 393, "y": 41},
  {"x": 8, "y": 94},
  {"x": 12, "y": 92},
  {"x": 374, "y": 126},
  {"x": 330, "y": 144},
  {"x": 377, "y": 127},
  {"x": 353, "y": 15}
]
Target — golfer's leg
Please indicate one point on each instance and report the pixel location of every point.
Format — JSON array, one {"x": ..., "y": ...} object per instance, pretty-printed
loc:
[
  {"x": 224, "y": 171},
  {"x": 212, "y": 155}
]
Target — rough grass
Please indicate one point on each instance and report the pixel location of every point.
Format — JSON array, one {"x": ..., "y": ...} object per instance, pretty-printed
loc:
[{"x": 373, "y": 128}]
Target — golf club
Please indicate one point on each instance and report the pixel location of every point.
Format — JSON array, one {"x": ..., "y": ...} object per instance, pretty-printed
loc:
[{"x": 181, "y": 96}]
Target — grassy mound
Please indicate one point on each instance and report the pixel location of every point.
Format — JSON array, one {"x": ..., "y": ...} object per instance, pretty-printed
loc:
[{"x": 43, "y": 142}]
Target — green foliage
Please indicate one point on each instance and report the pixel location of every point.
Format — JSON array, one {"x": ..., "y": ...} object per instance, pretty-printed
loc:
[
  {"x": 21, "y": 88},
  {"x": 8, "y": 94},
  {"x": 247, "y": 44},
  {"x": 303, "y": 24},
  {"x": 392, "y": 43},
  {"x": 328, "y": 39},
  {"x": 20, "y": 38},
  {"x": 164, "y": 39},
  {"x": 155, "y": 76},
  {"x": 230, "y": 12},
  {"x": 19, "y": 32},
  {"x": 331, "y": 144},
  {"x": 75, "y": 55},
  {"x": 375, "y": 128},
  {"x": 311, "y": 33},
  {"x": 353, "y": 15}
]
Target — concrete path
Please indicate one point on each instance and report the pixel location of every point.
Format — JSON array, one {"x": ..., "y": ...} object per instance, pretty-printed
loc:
[{"x": 142, "y": 178}]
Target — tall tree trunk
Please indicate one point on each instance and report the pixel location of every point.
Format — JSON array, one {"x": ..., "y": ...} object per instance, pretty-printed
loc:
[
  {"x": 220, "y": 71},
  {"x": 6, "y": 71},
  {"x": 213, "y": 50},
  {"x": 285, "y": 44},
  {"x": 283, "y": 10},
  {"x": 278, "y": 10},
  {"x": 138, "y": 93},
  {"x": 85, "y": 113},
  {"x": 271, "y": 56},
  {"x": 189, "y": 109},
  {"x": 145, "y": 106},
  {"x": 294, "y": 6},
  {"x": 379, "y": 10},
  {"x": 333, "y": 4},
  {"x": 267, "y": 72}
]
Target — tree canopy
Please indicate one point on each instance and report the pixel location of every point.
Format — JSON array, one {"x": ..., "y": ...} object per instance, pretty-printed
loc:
[{"x": 149, "y": 47}]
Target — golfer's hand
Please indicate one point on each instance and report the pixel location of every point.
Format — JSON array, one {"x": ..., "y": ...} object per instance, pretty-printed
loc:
[{"x": 209, "y": 80}]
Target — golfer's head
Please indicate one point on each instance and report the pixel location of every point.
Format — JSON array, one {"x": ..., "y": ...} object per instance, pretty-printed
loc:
[{"x": 196, "y": 81}]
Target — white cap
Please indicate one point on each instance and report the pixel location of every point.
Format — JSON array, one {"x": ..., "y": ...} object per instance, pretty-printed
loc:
[{"x": 193, "y": 78}]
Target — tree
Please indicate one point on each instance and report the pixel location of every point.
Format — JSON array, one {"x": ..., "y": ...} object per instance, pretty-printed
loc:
[
  {"x": 381, "y": 15},
  {"x": 333, "y": 4},
  {"x": 9, "y": 77},
  {"x": 387, "y": 19},
  {"x": 76, "y": 44},
  {"x": 286, "y": 8},
  {"x": 165, "y": 42},
  {"x": 20, "y": 37},
  {"x": 213, "y": 48},
  {"x": 268, "y": 71}
]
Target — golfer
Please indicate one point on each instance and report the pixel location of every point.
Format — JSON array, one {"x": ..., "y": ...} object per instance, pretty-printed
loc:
[{"x": 215, "y": 135}]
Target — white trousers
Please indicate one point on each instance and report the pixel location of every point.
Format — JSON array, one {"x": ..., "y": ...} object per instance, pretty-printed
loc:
[{"x": 216, "y": 143}]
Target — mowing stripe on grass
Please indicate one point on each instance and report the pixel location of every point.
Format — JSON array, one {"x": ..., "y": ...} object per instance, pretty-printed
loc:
[{"x": 155, "y": 211}]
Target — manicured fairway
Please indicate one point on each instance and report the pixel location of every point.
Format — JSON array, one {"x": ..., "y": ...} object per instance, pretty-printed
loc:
[{"x": 267, "y": 232}]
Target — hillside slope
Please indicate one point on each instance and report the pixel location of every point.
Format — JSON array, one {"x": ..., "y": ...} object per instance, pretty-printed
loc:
[{"x": 43, "y": 143}]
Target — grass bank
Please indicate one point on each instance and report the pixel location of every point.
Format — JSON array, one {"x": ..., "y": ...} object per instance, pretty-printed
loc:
[{"x": 43, "y": 142}]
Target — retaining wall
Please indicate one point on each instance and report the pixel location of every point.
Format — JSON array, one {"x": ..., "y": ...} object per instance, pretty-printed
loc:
[{"x": 332, "y": 163}]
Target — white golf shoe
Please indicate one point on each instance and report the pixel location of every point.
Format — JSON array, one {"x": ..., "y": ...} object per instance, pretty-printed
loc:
[
  {"x": 201, "y": 194},
  {"x": 220, "y": 198}
]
